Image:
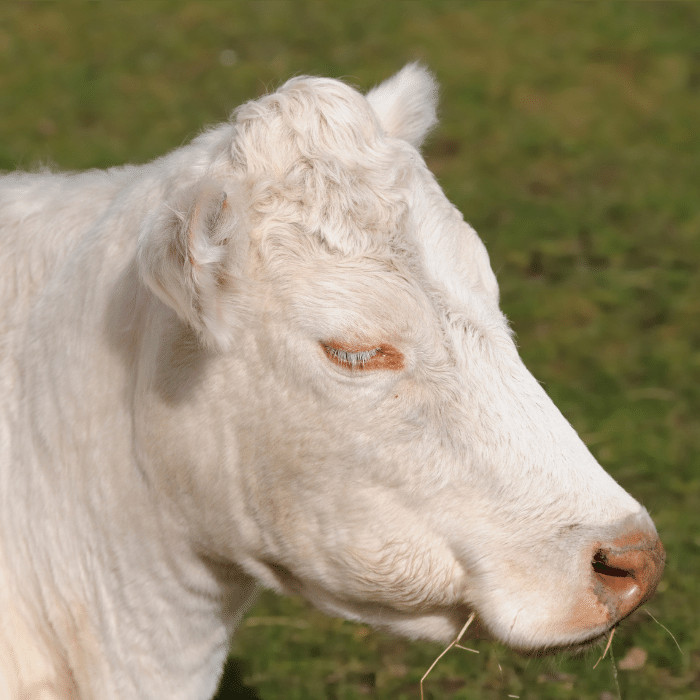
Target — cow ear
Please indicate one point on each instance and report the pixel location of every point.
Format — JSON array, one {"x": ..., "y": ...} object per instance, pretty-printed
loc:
[
  {"x": 185, "y": 257},
  {"x": 406, "y": 104}
]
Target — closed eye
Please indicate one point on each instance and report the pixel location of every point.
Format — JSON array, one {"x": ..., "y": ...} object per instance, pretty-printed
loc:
[
  {"x": 363, "y": 358},
  {"x": 352, "y": 359}
]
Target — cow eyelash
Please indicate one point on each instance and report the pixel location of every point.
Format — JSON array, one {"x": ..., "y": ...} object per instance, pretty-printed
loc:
[
  {"x": 354, "y": 360},
  {"x": 367, "y": 358}
]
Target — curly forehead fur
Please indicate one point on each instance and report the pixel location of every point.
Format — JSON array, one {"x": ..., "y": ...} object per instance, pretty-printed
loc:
[{"x": 315, "y": 153}]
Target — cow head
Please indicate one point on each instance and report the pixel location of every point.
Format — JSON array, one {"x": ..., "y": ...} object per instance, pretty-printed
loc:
[{"x": 335, "y": 402}]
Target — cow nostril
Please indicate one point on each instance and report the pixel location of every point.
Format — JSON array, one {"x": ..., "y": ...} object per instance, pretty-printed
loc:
[
  {"x": 600, "y": 567},
  {"x": 626, "y": 572}
]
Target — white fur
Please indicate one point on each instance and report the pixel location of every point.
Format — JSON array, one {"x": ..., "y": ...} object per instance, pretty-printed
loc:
[
  {"x": 406, "y": 104},
  {"x": 171, "y": 428}
]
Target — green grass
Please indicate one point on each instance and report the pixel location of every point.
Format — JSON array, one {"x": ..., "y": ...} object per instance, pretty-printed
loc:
[{"x": 570, "y": 139}]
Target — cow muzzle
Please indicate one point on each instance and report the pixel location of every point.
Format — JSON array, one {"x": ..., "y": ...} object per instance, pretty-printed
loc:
[{"x": 626, "y": 571}]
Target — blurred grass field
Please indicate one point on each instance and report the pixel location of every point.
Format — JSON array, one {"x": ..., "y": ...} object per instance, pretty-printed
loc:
[{"x": 570, "y": 139}]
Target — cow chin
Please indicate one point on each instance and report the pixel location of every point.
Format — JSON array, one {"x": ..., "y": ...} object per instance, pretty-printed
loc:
[{"x": 574, "y": 643}]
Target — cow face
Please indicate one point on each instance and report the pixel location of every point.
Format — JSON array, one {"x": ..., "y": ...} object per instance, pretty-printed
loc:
[{"x": 340, "y": 408}]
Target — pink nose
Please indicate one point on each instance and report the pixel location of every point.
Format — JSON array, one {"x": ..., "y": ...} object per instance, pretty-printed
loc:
[{"x": 626, "y": 571}]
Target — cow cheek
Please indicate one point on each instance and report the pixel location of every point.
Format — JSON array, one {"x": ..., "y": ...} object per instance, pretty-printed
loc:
[{"x": 188, "y": 455}]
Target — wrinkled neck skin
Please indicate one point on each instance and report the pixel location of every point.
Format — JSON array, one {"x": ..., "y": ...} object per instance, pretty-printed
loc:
[{"x": 104, "y": 591}]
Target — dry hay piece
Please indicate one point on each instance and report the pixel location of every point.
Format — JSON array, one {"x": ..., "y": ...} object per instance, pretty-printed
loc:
[{"x": 453, "y": 643}]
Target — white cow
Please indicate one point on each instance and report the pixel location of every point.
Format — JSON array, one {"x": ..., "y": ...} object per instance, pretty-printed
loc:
[{"x": 276, "y": 355}]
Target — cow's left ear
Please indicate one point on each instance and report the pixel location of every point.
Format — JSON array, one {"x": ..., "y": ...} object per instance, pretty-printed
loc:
[
  {"x": 186, "y": 257},
  {"x": 406, "y": 104}
]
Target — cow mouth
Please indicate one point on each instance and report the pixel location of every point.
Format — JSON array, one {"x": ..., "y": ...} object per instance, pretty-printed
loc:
[{"x": 574, "y": 649}]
